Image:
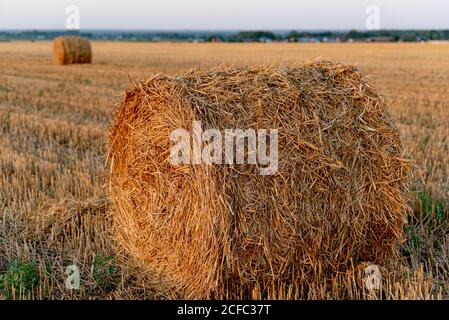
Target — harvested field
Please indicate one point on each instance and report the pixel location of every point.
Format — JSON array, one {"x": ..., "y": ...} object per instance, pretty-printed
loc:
[{"x": 54, "y": 209}]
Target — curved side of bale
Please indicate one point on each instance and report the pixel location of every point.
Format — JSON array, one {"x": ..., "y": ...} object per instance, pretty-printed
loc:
[
  {"x": 171, "y": 228},
  {"x": 69, "y": 50},
  {"x": 336, "y": 199}
]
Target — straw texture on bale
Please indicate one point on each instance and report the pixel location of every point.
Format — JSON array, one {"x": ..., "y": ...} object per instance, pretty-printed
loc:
[
  {"x": 69, "y": 50},
  {"x": 336, "y": 200}
]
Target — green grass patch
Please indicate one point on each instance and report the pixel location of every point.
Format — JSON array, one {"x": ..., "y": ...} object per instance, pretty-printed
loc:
[
  {"x": 105, "y": 271},
  {"x": 19, "y": 277},
  {"x": 430, "y": 207}
]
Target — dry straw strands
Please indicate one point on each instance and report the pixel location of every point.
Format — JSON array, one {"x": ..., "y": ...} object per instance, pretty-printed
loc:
[
  {"x": 68, "y": 50},
  {"x": 336, "y": 200}
]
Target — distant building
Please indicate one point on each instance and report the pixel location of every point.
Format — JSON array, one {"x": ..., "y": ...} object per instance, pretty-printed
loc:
[
  {"x": 265, "y": 40},
  {"x": 373, "y": 39},
  {"x": 309, "y": 39},
  {"x": 331, "y": 39},
  {"x": 381, "y": 39}
]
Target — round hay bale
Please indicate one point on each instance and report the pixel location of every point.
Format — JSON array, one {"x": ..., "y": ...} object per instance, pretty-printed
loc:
[
  {"x": 69, "y": 50},
  {"x": 336, "y": 199}
]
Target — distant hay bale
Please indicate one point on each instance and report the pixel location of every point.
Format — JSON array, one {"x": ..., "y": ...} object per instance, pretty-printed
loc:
[
  {"x": 336, "y": 200},
  {"x": 69, "y": 50}
]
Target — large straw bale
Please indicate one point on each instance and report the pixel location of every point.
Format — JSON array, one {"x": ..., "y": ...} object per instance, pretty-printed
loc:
[
  {"x": 69, "y": 50},
  {"x": 336, "y": 200}
]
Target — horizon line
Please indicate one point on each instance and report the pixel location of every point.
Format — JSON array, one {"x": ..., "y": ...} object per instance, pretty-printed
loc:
[{"x": 222, "y": 30}]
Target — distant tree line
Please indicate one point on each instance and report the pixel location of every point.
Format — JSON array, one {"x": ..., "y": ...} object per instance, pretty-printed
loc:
[
  {"x": 242, "y": 36},
  {"x": 402, "y": 35}
]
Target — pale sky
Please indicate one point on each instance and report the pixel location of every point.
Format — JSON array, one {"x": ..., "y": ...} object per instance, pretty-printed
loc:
[{"x": 224, "y": 14}]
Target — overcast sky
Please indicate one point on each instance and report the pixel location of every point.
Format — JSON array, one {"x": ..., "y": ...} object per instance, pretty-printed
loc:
[{"x": 224, "y": 14}]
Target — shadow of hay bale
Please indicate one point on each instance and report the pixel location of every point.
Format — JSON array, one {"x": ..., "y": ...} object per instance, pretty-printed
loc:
[{"x": 72, "y": 225}]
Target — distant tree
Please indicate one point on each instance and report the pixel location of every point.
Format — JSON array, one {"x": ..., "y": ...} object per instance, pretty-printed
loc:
[
  {"x": 436, "y": 35},
  {"x": 409, "y": 37},
  {"x": 254, "y": 35},
  {"x": 215, "y": 38},
  {"x": 294, "y": 35},
  {"x": 354, "y": 34}
]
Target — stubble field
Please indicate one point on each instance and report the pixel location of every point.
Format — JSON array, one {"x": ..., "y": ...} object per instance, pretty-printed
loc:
[{"x": 54, "y": 209}]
